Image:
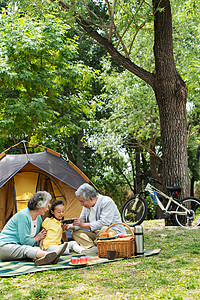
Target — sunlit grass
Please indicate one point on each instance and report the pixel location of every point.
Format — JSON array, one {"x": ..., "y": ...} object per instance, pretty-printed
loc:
[{"x": 173, "y": 274}]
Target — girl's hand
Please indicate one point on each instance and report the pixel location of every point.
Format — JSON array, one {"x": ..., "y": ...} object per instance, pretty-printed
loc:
[{"x": 66, "y": 227}]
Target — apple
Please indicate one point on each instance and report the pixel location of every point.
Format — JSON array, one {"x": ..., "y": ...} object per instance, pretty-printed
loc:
[
  {"x": 121, "y": 235},
  {"x": 74, "y": 260},
  {"x": 83, "y": 260}
]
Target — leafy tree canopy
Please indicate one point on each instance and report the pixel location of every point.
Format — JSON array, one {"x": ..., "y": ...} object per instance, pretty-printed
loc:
[{"x": 41, "y": 91}]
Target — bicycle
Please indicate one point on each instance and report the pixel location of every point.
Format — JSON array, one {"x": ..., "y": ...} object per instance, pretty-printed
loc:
[{"x": 186, "y": 212}]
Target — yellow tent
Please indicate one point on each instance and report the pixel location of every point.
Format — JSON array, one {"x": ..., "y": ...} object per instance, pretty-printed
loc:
[{"x": 21, "y": 175}]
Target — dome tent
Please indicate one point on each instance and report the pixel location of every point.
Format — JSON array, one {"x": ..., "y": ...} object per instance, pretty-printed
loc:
[{"x": 21, "y": 175}]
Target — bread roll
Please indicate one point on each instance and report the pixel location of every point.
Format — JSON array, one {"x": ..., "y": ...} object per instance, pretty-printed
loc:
[{"x": 104, "y": 235}]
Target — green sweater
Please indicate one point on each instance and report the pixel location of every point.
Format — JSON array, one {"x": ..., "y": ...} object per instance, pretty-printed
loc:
[{"x": 18, "y": 229}]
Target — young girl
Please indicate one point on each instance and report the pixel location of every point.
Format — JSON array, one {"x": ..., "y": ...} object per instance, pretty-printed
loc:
[{"x": 55, "y": 233}]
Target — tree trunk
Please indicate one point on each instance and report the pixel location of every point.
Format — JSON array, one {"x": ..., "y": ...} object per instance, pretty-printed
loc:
[
  {"x": 174, "y": 138},
  {"x": 171, "y": 95},
  {"x": 79, "y": 160},
  {"x": 137, "y": 169},
  {"x": 192, "y": 181},
  {"x": 155, "y": 162}
]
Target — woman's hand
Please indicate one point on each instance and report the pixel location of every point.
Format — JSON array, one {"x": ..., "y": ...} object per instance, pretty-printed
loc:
[{"x": 41, "y": 235}]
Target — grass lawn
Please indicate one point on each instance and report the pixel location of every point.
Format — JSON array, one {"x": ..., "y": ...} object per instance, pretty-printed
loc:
[{"x": 173, "y": 274}]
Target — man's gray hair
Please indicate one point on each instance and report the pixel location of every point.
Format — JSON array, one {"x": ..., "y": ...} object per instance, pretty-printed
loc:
[{"x": 87, "y": 191}]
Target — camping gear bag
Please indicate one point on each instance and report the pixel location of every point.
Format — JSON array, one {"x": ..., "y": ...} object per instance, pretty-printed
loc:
[{"x": 124, "y": 246}]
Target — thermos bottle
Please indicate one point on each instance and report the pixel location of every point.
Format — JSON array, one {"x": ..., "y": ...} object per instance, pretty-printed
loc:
[{"x": 139, "y": 240}]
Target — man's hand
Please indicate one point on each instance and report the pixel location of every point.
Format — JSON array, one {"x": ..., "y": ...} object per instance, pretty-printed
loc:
[
  {"x": 81, "y": 224},
  {"x": 78, "y": 222}
]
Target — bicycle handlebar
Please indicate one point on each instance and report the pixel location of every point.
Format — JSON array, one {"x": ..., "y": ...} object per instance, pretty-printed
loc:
[
  {"x": 151, "y": 179},
  {"x": 154, "y": 180}
]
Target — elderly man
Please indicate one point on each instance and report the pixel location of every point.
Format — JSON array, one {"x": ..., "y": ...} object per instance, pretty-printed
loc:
[{"x": 98, "y": 213}]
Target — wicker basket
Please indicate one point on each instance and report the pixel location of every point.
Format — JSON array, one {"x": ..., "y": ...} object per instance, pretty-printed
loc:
[{"x": 125, "y": 246}]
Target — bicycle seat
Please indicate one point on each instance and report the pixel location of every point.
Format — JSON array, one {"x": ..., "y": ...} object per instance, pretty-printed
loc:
[{"x": 172, "y": 189}]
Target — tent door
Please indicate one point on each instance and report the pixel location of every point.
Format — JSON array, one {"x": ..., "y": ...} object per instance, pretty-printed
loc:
[{"x": 44, "y": 184}]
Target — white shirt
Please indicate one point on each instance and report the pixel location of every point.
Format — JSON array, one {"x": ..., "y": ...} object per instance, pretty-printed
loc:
[
  {"x": 33, "y": 228},
  {"x": 92, "y": 215}
]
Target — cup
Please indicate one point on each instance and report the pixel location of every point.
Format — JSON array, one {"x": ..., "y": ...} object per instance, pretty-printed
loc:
[{"x": 111, "y": 254}]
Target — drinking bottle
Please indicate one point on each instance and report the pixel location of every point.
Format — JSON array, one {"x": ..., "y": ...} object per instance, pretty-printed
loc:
[{"x": 139, "y": 240}]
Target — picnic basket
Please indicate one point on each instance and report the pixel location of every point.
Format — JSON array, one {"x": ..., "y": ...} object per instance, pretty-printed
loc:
[{"x": 124, "y": 246}]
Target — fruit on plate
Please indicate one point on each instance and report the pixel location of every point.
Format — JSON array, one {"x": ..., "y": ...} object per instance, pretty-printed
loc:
[
  {"x": 75, "y": 260},
  {"x": 83, "y": 260}
]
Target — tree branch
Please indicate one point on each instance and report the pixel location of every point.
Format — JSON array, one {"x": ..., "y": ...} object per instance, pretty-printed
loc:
[
  {"x": 122, "y": 173},
  {"x": 108, "y": 46}
]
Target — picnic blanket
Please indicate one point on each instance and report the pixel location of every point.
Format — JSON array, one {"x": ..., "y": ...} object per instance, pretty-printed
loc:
[{"x": 15, "y": 268}]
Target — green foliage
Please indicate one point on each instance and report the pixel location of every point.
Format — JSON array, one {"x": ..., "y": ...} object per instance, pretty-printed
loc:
[
  {"x": 128, "y": 118},
  {"x": 117, "y": 20},
  {"x": 41, "y": 91},
  {"x": 133, "y": 106},
  {"x": 194, "y": 158},
  {"x": 186, "y": 45}
]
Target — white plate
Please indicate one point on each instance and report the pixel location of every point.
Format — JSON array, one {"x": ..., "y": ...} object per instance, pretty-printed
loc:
[{"x": 78, "y": 265}]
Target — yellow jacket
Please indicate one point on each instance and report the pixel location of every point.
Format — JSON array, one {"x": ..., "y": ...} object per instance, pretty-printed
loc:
[{"x": 54, "y": 232}]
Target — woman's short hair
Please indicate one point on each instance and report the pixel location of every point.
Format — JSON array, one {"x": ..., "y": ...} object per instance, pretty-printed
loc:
[
  {"x": 87, "y": 191},
  {"x": 39, "y": 200}
]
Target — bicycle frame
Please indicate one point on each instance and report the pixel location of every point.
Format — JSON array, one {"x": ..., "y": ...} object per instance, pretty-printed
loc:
[{"x": 151, "y": 189}]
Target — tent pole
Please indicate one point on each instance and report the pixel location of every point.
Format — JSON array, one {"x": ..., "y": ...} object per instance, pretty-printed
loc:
[{"x": 14, "y": 195}]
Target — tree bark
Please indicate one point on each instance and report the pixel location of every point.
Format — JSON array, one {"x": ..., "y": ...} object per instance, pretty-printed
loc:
[
  {"x": 137, "y": 169},
  {"x": 192, "y": 186},
  {"x": 79, "y": 160},
  {"x": 171, "y": 96},
  {"x": 155, "y": 162}
]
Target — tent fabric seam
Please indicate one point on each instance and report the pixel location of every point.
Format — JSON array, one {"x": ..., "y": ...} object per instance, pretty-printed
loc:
[
  {"x": 52, "y": 175},
  {"x": 12, "y": 175}
]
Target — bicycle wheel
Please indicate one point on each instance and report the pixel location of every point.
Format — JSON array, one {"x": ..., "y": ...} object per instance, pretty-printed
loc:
[
  {"x": 134, "y": 211},
  {"x": 193, "y": 216}
]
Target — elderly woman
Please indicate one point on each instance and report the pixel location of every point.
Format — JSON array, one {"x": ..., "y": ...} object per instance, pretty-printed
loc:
[{"x": 19, "y": 237}]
